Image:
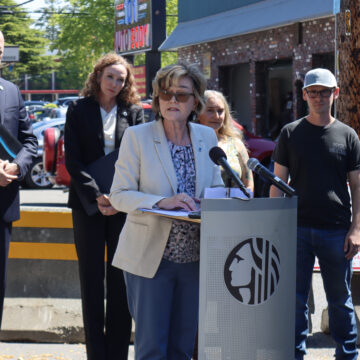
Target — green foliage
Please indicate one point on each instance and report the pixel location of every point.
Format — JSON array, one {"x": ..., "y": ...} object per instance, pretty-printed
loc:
[
  {"x": 85, "y": 32},
  {"x": 32, "y": 44},
  {"x": 170, "y": 57}
]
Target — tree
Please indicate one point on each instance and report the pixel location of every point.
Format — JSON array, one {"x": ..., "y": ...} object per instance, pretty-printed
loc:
[
  {"x": 348, "y": 39},
  {"x": 167, "y": 57},
  {"x": 48, "y": 21},
  {"x": 83, "y": 30},
  {"x": 32, "y": 44},
  {"x": 170, "y": 57},
  {"x": 86, "y": 32}
]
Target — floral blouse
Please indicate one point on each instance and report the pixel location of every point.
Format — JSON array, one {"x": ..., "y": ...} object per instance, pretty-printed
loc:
[
  {"x": 183, "y": 245},
  {"x": 232, "y": 155}
]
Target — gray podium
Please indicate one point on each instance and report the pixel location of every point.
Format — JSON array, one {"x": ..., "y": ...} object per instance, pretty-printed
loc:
[{"x": 247, "y": 279}]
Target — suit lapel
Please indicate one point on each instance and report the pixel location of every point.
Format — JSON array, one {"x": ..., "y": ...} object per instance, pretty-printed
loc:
[
  {"x": 198, "y": 149},
  {"x": 163, "y": 152},
  {"x": 122, "y": 122},
  {"x": 2, "y": 102},
  {"x": 95, "y": 122}
]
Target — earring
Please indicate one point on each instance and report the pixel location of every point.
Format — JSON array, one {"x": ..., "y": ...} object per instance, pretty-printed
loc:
[{"x": 193, "y": 116}]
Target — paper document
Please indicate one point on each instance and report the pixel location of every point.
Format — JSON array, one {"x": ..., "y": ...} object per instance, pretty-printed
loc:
[
  {"x": 174, "y": 213},
  {"x": 223, "y": 193}
]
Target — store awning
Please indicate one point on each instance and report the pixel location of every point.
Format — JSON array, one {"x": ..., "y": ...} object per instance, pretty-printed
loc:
[{"x": 247, "y": 19}]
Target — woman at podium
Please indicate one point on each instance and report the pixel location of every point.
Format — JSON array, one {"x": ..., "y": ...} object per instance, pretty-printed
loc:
[
  {"x": 216, "y": 114},
  {"x": 94, "y": 128},
  {"x": 164, "y": 164}
]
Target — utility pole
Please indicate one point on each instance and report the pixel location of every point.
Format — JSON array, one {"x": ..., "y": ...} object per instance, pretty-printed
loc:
[
  {"x": 348, "y": 62},
  {"x": 153, "y": 57}
]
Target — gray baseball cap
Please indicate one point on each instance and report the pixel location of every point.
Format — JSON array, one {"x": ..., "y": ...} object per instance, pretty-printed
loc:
[{"x": 319, "y": 76}]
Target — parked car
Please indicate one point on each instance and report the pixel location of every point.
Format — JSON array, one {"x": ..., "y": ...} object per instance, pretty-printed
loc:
[
  {"x": 37, "y": 178},
  {"x": 65, "y": 101},
  {"x": 29, "y": 103},
  {"x": 58, "y": 112}
]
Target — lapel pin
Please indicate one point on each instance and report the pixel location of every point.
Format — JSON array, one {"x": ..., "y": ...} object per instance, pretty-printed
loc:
[{"x": 124, "y": 113}]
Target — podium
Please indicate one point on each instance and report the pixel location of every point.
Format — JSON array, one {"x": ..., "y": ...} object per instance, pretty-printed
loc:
[{"x": 247, "y": 279}]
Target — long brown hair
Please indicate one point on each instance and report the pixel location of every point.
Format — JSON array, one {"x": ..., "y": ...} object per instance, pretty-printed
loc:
[{"x": 128, "y": 93}]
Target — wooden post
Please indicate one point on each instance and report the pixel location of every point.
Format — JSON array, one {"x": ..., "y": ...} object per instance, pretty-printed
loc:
[{"x": 348, "y": 63}]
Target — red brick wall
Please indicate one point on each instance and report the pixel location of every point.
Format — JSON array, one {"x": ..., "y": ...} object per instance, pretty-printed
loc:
[{"x": 297, "y": 42}]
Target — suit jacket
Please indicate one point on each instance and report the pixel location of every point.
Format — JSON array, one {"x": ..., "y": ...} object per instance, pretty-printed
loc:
[
  {"x": 14, "y": 117},
  {"x": 84, "y": 143},
  {"x": 145, "y": 174}
]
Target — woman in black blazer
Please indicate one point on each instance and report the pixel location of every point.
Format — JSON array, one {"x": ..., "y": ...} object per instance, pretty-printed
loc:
[{"x": 94, "y": 128}]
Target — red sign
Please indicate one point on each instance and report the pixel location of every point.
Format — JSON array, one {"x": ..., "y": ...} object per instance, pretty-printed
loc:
[
  {"x": 132, "y": 26},
  {"x": 140, "y": 80}
]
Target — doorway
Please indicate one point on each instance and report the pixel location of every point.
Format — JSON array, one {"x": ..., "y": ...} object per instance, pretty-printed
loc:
[
  {"x": 234, "y": 82},
  {"x": 279, "y": 96}
]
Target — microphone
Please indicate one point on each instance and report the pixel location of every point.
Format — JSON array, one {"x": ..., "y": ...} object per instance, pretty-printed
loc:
[
  {"x": 218, "y": 156},
  {"x": 254, "y": 165}
]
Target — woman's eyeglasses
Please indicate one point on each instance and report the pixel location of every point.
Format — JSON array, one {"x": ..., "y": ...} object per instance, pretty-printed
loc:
[
  {"x": 323, "y": 93},
  {"x": 181, "y": 97}
]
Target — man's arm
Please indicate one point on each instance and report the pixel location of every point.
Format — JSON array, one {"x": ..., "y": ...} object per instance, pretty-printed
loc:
[
  {"x": 352, "y": 240},
  {"x": 21, "y": 164},
  {"x": 281, "y": 172}
]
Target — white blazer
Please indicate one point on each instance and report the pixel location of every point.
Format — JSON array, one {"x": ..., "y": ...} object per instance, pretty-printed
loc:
[{"x": 145, "y": 174}]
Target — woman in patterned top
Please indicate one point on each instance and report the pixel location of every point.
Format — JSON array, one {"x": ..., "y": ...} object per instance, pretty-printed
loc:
[
  {"x": 217, "y": 115},
  {"x": 164, "y": 164}
]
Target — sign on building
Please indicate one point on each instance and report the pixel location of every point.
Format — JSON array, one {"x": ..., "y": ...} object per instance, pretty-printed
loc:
[
  {"x": 11, "y": 54},
  {"x": 132, "y": 26},
  {"x": 140, "y": 80}
]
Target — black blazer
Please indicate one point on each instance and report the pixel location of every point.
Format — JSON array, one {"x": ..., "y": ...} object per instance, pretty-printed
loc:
[
  {"x": 14, "y": 117},
  {"x": 84, "y": 143}
]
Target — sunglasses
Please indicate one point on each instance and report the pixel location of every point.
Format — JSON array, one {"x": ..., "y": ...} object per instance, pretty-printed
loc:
[
  {"x": 181, "y": 97},
  {"x": 323, "y": 93}
]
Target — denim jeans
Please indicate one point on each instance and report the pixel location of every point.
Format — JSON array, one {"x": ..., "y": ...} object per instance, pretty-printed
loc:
[
  {"x": 336, "y": 272},
  {"x": 165, "y": 310}
]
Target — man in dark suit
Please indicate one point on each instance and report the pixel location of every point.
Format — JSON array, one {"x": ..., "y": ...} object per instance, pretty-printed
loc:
[{"x": 14, "y": 118}]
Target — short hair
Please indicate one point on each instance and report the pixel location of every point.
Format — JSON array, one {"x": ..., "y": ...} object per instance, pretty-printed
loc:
[
  {"x": 228, "y": 129},
  {"x": 128, "y": 94},
  {"x": 170, "y": 75}
]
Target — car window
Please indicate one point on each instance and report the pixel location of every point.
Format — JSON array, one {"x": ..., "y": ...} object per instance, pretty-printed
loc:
[{"x": 149, "y": 115}]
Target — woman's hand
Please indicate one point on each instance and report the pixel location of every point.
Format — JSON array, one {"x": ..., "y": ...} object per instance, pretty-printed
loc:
[
  {"x": 179, "y": 201},
  {"x": 105, "y": 206}
]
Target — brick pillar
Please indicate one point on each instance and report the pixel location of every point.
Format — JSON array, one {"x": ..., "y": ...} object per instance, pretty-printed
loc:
[{"x": 261, "y": 126}]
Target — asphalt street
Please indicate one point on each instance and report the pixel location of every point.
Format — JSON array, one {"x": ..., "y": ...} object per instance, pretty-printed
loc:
[{"x": 321, "y": 346}]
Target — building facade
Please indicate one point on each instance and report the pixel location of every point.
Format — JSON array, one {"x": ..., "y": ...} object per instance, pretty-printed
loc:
[{"x": 258, "y": 54}]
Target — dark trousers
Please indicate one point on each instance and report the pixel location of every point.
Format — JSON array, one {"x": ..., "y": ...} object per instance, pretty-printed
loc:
[
  {"x": 5, "y": 234},
  {"x": 107, "y": 332}
]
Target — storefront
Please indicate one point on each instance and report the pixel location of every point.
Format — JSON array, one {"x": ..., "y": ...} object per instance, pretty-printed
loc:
[{"x": 257, "y": 54}]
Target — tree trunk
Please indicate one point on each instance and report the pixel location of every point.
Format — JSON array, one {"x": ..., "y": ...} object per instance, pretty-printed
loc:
[{"x": 348, "y": 54}]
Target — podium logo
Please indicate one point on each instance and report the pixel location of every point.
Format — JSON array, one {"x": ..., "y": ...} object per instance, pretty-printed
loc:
[{"x": 252, "y": 271}]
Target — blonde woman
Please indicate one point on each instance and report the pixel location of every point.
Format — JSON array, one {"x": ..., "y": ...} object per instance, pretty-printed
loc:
[
  {"x": 216, "y": 115},
  {"x": 164, "y": 164}
]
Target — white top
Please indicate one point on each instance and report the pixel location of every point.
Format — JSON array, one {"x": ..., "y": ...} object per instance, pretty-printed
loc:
[{"x": 109, "y": 124}]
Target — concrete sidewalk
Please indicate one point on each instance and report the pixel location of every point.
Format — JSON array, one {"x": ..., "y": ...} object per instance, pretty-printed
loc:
[{"x": 60, "y": 321}]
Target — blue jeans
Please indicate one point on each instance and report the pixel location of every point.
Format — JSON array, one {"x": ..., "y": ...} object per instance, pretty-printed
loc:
[
  {"x": 336, "y": 272},
  {"x": 165, "y": 311}
]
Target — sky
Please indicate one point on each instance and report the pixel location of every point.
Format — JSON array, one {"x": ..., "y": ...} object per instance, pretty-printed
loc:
[{"x": 33, "y": 6}]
